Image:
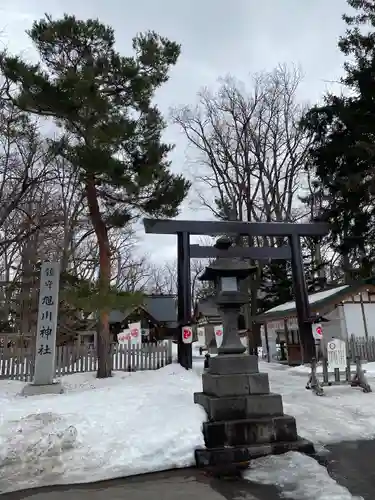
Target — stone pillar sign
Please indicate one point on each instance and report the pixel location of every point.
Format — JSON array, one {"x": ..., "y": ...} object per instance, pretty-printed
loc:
[{"x": 45, "y": 345}]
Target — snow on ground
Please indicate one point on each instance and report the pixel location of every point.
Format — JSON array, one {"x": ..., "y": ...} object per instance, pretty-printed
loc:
[
  {"x": 343, "y": 413},
  {"x": 130, "y": 424},
  {"x": 298, "y": 476},
  {"x": 146, "y": 421}
]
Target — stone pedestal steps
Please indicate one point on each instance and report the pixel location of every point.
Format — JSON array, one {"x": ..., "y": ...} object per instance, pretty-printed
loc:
[{"x": 245, "y": 420}]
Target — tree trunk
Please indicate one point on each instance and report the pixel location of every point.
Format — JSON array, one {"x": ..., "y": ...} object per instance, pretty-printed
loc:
[
  {"x": 8, "y": 294},
  {"x": 103, "y": 338}
]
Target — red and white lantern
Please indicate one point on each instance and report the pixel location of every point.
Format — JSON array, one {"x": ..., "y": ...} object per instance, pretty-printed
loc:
[
  {"x": 135, "y": 333},
  {"x": 218, "y": 329},
  {"x": 187, "y": 334},
  {"x": 124, "y": 337},
  {"x": 317, "y": 331}
]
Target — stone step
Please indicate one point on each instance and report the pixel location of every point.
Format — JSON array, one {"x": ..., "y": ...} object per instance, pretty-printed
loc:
[
  {"x": 240, "y": 407},
  {"x": 235, "y": 384},
  {"x": 240, "y": 455},
  {"x": 249, "y": 431},
  {"x": 230, "y": 364}
]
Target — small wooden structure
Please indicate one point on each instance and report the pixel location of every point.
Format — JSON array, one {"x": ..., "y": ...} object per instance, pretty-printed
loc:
[
  {"x": 343, "y": 310},
  {"x": 157, "y": 315}
]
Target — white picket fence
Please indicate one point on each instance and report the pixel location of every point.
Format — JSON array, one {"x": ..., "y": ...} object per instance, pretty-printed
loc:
[{"x": 18, "y": 363}]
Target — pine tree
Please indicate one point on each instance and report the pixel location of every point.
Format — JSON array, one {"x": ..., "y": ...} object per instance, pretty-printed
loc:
[
  {"x": 343, "y": 152},
  {"x": 110, "y": 128}
]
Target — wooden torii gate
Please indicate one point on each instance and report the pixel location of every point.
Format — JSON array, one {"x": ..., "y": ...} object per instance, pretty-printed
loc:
[{"x": 185, "y": 251}]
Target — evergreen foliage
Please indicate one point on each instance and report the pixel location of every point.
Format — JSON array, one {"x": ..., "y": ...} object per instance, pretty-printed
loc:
[{"x": 343, "y": 152}]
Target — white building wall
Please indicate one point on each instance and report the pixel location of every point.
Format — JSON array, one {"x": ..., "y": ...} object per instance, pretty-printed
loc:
[
  {"x": 334, "y": 328},
  {"x": 345, "y": 320},
  {"x": 370, "y": 318},
  {"x": 354, "y": 319}
]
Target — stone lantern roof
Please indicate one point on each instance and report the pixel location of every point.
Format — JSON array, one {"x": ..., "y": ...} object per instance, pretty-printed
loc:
[{"x": 226, "y": 266}]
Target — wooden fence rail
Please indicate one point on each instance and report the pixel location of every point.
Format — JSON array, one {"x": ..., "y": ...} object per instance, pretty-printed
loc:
[
  {"x": 18, "y": 363},
  {"x": 361, "y": 347}
]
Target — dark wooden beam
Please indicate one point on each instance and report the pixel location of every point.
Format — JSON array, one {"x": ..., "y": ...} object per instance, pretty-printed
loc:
[
  {"x": 256, "y": 253},
  {"x": 171, "y": 226}
]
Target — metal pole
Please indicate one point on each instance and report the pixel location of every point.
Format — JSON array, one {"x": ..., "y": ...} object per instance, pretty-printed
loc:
[
  {"x": 185, "y": 357},
  {"x": 302, "y": 299},
  {"x": 267, "y": 343}
]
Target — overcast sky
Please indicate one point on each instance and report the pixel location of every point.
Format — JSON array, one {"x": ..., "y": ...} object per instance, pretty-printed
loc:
[{"x": 218, "y": 37}]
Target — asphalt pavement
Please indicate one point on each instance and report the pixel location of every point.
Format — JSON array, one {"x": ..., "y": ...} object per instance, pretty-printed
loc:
[
  {"x": 350, "y": 463},
  {"x": 185, "y": 484}
]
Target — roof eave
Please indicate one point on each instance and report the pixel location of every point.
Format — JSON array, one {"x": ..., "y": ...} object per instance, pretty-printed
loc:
[{"x": 316, "y": 306}]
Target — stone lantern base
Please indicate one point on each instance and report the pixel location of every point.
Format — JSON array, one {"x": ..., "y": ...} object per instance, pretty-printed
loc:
[{"x": 245, "y": 420}]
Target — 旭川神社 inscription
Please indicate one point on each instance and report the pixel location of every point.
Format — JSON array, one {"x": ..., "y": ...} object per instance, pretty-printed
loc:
[{"x": 47, "y": 321}]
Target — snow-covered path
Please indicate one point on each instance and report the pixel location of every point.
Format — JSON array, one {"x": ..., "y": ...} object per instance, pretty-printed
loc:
[
  {"x": 147, "y": 421},
  {"x": 343, "y": 413}
]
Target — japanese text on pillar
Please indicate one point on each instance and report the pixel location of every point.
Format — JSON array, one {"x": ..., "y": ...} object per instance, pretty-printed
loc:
[{"x": 47, "y": 311}]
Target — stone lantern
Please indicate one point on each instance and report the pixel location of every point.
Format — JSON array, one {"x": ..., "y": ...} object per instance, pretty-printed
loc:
[
  {"x": 245, "y": 420},
  {"x": 227, "y": 273}
]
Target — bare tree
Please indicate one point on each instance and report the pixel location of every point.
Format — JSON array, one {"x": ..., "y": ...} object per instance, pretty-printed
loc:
[
  {"x": 42, "y": 216},
  {"x": 24, "y": 167},
  {"x": 163, "y": 279},
  {"x": 251, "y": 144},
  {"x": 251, "y": 152},
  {"x": 72, "y": 226},
  {"x": 131, "y": 271},
  {"x": 25, "y": 161}
]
